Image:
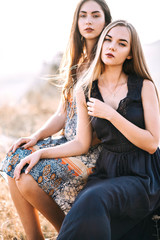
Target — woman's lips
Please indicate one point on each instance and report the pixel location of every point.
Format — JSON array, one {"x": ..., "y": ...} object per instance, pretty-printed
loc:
[
  {"x": 88, "y": 30},
  {"x": 110, "y": 55}
]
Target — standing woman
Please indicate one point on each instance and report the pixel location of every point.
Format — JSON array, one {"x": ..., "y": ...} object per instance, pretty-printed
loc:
[
  {"x": 124, "y": 109},
  {"x": 53, "y": 183}
]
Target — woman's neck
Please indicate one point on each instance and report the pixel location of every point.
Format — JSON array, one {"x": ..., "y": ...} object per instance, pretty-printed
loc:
[
  {"x": 113, "y": 75},
  {"x": 90, "y": 43}
]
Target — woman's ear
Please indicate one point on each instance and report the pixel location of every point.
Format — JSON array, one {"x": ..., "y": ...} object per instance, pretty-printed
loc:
[{"x": 129, "y": 57}]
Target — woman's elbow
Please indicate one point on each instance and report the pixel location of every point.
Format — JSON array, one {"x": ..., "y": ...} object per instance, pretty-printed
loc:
[
  {"x": 83, "y": 144},
  {"x": 152, "y": 151},
  {"x": 153, "y": 147},
  {"x": 85, "y": 149}
]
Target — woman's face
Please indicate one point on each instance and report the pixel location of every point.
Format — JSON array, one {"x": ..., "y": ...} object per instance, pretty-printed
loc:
[
  {"x": 116, "y": 46},
  {"x": 91, "y": 20}
]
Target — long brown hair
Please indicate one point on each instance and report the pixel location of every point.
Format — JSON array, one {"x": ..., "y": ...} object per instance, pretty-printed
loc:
[
  {"x": 75, "y": 50},
  {"x": 136, "y": 65}
]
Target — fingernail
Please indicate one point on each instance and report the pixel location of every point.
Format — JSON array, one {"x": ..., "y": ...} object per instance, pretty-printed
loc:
[{"x": 26, "y": 172}]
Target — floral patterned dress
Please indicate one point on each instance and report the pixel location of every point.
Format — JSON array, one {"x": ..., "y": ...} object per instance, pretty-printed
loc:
[{"x": 61, "y": 178}]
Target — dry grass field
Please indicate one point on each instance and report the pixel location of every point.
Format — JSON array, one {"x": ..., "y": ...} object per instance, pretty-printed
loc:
[{"x": 19, "y": 120}]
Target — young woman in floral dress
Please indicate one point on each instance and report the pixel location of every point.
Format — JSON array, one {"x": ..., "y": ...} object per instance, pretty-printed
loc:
[{"x": 52, "y": 184}]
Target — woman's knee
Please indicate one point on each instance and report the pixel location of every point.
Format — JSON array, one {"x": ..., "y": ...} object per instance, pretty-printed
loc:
[
  {"x": 10, "y": 179},
  {"x": 97, "y": 198},
  {"x": 26, "y": 184},
  {"x": 91, "y": 198}
]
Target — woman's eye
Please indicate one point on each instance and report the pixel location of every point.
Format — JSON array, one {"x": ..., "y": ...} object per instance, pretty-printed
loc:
[
  {"x": 82, "y": 16},
  {"x": 107, "y": 39},
  {"x": 122, "y": 44},
  {"x": 95, "y": 16}
]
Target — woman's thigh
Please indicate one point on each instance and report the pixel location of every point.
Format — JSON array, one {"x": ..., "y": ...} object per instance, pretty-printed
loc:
[{"x": 102, "y": 201}]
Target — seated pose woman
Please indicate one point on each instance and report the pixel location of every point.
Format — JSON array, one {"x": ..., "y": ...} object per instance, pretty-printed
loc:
[
  {"x": 53, "y": 183},
  {"x": 124, "y": 109}
]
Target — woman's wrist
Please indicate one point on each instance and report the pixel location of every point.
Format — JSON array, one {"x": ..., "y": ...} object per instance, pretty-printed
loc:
[
  {"x": 110, "y": 115},
  {"x": 36, "y": 136},
  {"x": 46, "y": 152}
]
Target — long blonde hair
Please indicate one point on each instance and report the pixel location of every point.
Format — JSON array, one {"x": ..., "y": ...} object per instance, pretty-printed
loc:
[
  {"x": 74, "y": 53},
  {"x": 137, "y": 65}
]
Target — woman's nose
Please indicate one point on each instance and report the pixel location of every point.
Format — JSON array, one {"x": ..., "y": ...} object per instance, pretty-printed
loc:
[
  {"x": 88, "y": 20},
  {"x": 112, "y": 48}
]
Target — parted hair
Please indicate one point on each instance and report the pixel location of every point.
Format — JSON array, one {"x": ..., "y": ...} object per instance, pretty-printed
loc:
[
  {"x": 74, "y": 54},
  {"x": 136, "y": 65}
]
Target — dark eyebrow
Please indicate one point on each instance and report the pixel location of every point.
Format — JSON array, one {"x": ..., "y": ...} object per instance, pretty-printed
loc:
[
  {"x": 122, "y": 40},
  {"x": 96, "y": 12},
  {"x": 91, "y": 12}
]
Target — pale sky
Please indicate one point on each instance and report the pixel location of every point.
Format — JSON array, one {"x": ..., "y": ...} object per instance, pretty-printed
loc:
[{"x": 32, "y": 31}]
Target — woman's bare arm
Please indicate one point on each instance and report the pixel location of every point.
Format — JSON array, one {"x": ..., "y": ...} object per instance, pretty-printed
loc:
[
  {"x": 146, "y": 139},
  {"x": 54, "y": 124},
  {"x": 78, "y": 146}
]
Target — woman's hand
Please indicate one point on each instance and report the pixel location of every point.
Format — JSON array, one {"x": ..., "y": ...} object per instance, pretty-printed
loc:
[
  {"x": 24, "y": 142},
  {"x": 32, "y": 160},
  {"x": 97, "y": 108}
]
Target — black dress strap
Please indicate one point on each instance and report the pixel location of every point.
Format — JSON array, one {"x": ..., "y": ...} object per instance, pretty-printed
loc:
[{"x": 135, "y": 84}]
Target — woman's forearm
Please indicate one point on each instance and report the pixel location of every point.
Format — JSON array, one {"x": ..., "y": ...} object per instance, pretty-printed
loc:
[
  {"x": 52, "y": 126},
  {"x": 142, "y": 138},
  {"x": 71, "y": 148}
]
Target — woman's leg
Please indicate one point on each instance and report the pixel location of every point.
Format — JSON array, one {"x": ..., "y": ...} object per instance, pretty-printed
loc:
[
  {"x": 28, "y": 214},
  {"x": 40, "y": 200},
  {"x": 91, "y": 216},
  {"x": 87, "y": 219}
]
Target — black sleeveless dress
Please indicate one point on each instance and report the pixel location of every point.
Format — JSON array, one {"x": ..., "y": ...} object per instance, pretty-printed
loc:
[{"x": 125, "y": 187}]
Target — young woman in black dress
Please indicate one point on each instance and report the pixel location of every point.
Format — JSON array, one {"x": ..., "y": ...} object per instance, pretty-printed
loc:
[{"x": 124, "y": 109}]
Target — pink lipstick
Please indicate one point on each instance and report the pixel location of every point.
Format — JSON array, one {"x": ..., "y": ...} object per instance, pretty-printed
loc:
[{"x": 88, "y": 30}]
